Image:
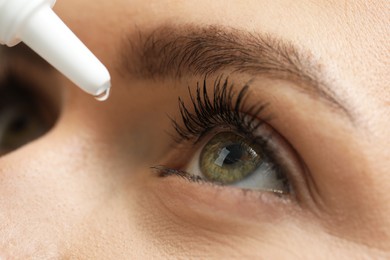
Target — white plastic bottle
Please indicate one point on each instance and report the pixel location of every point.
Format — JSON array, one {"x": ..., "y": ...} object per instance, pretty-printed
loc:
[{"x": 35, "y": 23}]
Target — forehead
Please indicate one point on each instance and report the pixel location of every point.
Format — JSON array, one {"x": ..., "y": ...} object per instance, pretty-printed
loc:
[{"x": 351, "y": 37}]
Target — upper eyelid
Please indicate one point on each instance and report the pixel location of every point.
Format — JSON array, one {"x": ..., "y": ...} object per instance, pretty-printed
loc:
[{"x": 174, "y": 51}]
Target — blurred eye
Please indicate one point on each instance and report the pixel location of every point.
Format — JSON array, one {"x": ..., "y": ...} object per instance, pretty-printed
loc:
[
  {"x": 22, "y": 115},
  {"x": 229, "y": 158}
]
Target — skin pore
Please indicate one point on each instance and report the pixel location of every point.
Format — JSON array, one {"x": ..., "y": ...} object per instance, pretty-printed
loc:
[{"x": 87, "y": 188}]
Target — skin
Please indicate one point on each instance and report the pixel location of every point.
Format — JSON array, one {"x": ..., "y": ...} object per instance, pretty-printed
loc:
[{"x": 85, "y": 189}]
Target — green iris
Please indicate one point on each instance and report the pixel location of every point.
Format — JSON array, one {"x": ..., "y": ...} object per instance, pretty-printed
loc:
[{"x": 228, "y": 158}]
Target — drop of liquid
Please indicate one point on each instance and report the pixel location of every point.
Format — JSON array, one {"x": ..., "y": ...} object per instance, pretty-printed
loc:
[{"x": 104, "y": 96}]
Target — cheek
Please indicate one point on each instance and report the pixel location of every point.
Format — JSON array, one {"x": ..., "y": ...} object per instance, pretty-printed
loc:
[
  {"x": 48, "y": 189},
  {"x": 181, "y": 226}
]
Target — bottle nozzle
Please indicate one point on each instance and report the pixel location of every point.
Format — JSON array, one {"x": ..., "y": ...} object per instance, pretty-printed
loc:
[{"x": 45, "y": 33}]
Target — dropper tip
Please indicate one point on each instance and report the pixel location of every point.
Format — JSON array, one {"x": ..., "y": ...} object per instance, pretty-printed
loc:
[{"x": 105, "y": 94}]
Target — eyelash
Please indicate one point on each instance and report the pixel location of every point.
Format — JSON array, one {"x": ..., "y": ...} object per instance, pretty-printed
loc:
[
  {"x": 224, "y": 110},
  {"x": 220, "y": 111}
]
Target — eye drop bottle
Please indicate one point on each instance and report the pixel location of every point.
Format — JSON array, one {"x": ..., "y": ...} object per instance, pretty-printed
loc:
[{"x": 35, "y": 23}]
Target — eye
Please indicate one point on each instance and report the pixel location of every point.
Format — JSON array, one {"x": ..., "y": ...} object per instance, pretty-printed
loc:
[
  {"x": 229, "y": 158},
  {"x": 225, "y": 141},
  {"x": 24, "y": 116}
]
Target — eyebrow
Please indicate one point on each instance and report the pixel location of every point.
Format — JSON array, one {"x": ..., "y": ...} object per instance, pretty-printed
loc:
[{"x": 174, "y": 52}]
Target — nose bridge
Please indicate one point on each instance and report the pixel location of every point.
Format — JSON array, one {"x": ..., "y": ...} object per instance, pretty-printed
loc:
[
  {"x": 56, "y": 175},
  {"x": 47, "y": 188},
  {"x": 44, "y": 164}
]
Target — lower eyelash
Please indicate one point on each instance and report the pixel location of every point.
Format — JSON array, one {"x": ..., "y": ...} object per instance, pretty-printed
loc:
[{"x": 164, "y": 172}]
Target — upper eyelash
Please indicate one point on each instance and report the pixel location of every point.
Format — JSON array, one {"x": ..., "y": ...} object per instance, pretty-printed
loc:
[
  {"x": 222, "y": 109},
  {"x": 227, "y": 108}
]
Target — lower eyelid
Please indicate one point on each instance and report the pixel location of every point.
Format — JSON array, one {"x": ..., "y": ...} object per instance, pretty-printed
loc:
[{"x": 206, "y": 199}]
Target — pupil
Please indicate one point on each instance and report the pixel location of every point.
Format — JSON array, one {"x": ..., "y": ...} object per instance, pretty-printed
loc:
[{"x": 235, "y": 154}]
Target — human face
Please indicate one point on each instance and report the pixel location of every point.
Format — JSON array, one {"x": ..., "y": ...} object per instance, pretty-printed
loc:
[{"x": 115, "y": 180}]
